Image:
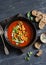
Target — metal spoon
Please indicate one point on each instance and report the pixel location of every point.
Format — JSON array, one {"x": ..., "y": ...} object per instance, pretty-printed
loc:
[{"x": 1, "y": 34}]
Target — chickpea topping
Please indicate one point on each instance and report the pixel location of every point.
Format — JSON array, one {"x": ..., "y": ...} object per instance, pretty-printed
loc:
[
  {"x": 20, "y": 34},
  {"x": 34, "y": 12}
]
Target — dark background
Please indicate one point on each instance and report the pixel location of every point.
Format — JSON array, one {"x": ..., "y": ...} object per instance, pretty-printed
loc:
[{"x": 10, "y": 8}]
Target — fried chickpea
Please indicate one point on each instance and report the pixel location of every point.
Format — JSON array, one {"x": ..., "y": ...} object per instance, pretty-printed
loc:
[
  {"x": 39, "y": 13},
  {"x": 44, "y": 18},
  {"x": 34, "y": 12},
  {"x": 38, "y": 18},
  {"x": 41, "y": 25},
  {"x": 23, "y": 28}
]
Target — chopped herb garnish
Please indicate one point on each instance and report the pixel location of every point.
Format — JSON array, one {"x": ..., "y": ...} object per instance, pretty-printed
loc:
[
  {"x": 31, "y": 18},
  {"x": 28, "y": 56},
  {"x": 31, "y": 53},
  {"x": 28, "y": 14}
]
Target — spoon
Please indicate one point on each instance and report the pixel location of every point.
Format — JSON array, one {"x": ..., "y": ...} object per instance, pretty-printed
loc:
[{"x": 1, "y": 34}]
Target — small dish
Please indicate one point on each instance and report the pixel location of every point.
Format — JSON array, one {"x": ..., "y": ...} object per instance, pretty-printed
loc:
[{"x": 43, "y": 37}]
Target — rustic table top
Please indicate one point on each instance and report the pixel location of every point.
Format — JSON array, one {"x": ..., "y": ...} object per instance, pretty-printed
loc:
[{"x": 10, "y": 8}]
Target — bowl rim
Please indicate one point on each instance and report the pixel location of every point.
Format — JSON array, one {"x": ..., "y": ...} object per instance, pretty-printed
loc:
[{"x": 20, "y": 18}]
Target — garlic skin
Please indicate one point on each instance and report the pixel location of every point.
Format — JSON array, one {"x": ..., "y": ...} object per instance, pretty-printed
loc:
[
  {"x": 39, "y": 53},
  {"x": 37, "y": 45}
]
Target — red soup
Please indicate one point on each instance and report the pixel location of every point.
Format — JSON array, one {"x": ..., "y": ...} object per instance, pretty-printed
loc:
[{"x": 19, "y": 33}]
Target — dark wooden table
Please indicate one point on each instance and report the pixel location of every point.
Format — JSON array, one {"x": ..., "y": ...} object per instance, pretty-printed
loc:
[{"x": 10, "y": 8}]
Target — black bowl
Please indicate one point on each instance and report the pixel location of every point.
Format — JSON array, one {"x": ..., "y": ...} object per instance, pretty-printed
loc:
[{"x": 29, "y": 23}]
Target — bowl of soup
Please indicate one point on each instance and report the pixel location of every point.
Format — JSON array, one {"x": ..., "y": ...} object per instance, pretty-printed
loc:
[{"x": 20, "y": 32}]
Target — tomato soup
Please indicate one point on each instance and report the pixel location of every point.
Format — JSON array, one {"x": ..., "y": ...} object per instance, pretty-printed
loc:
[{"x": 28, "y": 29}]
